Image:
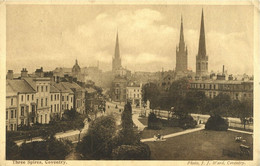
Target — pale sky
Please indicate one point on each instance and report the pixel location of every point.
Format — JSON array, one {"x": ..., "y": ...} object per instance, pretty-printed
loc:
[{"x": 54, "y": 36}]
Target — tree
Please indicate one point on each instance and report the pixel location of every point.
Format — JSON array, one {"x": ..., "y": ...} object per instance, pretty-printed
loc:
[
  {"x": 151, "y": 92},
  {"x": 154, "y": 122},
  {"x": 220, "y": 105},
  {"x": 243, "y": 110},
  {"x": 127, "y": 134},
  {"x": 98, "y": 142}
]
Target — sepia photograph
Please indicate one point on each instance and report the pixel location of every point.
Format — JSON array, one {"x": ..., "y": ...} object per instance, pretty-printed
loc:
[{"x": 129, "y": 81}]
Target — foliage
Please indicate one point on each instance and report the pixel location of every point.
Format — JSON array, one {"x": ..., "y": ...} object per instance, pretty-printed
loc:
[
  {"x": 127, "y": 135},
  {"x": 220, "y": 104},
  {"x": 154, "y": 122},
  {"x": 12, "y": 150},
  {"x": 98, "y": 142},
  {"x": 216, "y": 122},
  {"x": 132, "y": 152},
  {"x": 51, "y": 149},
  {"x": 243, "y": 110},
  {"x": 187, "y": 121},
  {"x": 151, "y": 92}
]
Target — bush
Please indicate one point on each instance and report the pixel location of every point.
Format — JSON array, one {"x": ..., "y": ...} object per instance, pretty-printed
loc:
[
  {"x": 216, "y": 122},
  {"x": 12, "y": 150},
  {"x": 50, "y": 149},
  {"x": 132, "y": 152},
  {"x": 187, "y": 122},
  {"x": 154, "y": 122}
]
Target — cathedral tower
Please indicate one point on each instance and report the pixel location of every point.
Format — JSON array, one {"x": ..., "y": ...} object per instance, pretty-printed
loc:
[
  {"x": 202, "y": 58},
  {"x": 116, "y": 61},
  {"x": 181, "y": 53}
]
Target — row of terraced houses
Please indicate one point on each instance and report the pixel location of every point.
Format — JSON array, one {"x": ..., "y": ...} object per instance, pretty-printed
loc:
[{"x": 33, "y": 98}]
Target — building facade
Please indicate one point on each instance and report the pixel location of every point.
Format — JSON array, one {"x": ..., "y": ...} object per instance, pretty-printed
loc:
[
  {"x": 237, "y": 90},
  {"x": 118, "y": 90},
  {"x": 55, "y": 102},
  {"x": 134, "y": 94}
]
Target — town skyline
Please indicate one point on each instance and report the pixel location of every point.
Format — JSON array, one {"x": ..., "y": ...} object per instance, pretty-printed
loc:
[{"x": 53, "y": 42}]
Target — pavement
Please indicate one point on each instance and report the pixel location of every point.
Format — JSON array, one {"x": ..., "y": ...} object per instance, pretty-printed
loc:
[
  {"x": 240, "y": 131},
  {"x": 201, "y": 127},
  {"x": 67, "y": 134}
]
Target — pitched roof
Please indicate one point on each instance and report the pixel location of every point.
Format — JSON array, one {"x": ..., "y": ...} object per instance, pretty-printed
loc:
[
  {"x": 60, "y": 86},
  {"x": 53, "y": 89},
  {"x": 90, "y": 90},
  {"x": 20, "y": 86}
]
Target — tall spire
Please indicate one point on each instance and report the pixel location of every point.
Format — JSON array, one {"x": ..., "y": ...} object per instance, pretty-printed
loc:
[
  {"x": 202, "y": 41},
  {"x": 117, "y": 52},
  {"x": 181, "y": 32}
]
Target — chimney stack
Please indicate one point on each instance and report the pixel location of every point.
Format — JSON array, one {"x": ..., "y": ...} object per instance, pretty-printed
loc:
[
  {"x": 223, "y": 72},
  {"x": 10, "y": 75},
  {"x": 24, "y": 73}
]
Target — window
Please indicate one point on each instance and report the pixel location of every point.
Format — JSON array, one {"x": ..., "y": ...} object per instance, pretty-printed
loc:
[
  {"x": 37, "y": 101},
  {"x": 22, "y": 111},
  {"x": 11, "y": 127},
  {"x": 46, "y": 88},
  {"x": 45, "y": 118},
  {"x": 55, "y": 97},
  {"x": 67, "y": 106},
  {"x": 58, "y": 107},
  {"x": 51, "y": 108},
  {"x": 14, "y": 113},
  {"x": 51, "y": 97},
  {"x": 62, "y": 98},
  {"x": 12, "y": 101},
  {"x": 32, "y": 97},
  {"x": 6, "y": 115},
  {"x": 41, "y": 118},
  {"x": 28, "y": 97},
  {"x": 62, "y": 107},
  {"x": 37, "y": 88},
  {"x": 46, "y": 101},
  {"x": 22, "y": 98},
  {"x": 67, "y": 98},
  {"x": 42, "y": 88},
  {"x": 214, "y": 86},
  {"x": 54, "y": 107},
  {"x": 134, "y": 95},
  {"x": 22, "y": 122},
  {"x": 58, "y": 97},
  {"x": 137, "y": 95},
  {"x": 71, "y": 99},
  {"x": 41, "y": 102}
]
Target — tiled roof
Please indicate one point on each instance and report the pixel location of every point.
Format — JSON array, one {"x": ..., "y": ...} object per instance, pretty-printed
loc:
[{"x": 20, "y": 86}]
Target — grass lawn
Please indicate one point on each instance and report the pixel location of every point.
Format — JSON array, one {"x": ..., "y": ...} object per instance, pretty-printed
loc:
[
  {"x": 200, "y": 145},
  {"x": 149, "y": 133}
]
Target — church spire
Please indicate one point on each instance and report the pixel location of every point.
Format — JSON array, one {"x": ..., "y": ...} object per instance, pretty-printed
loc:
[
  {"x": 181, "y": 32},
  {"x": 116, "y": 60},
  {"x": 202, "y": 42},
  {"x": 117, "y": 52}
]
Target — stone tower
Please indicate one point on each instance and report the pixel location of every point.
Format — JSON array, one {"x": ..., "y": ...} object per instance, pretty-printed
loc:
[
  {"x": 181, "y": 53},
  {"x": 116, "y": 61},
  {"x": 202, "y": 58}
]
